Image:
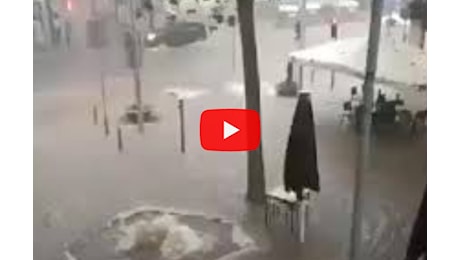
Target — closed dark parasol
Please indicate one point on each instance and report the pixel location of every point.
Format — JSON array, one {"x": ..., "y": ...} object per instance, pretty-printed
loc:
[{"x": 300, "y": 165}]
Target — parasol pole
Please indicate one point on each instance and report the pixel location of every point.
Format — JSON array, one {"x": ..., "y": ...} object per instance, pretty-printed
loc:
[
  {"x": 364, "y": 138},
  {"x": 302, "y": 212}
]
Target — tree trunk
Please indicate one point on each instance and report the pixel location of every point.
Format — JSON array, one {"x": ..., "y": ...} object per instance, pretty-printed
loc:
[{"x": 255, "y": 167}]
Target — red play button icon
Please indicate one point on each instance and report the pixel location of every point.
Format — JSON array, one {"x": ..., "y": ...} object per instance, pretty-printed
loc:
[{"x": 230, "y": 130}]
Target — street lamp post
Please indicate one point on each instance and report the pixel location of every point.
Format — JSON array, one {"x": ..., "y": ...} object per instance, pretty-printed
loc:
[
  {"x": 97, "y": 39},
  {"x": 364, "y": 139},
  {"x": 136, "y": 64},
  {"x": 181, "y": 94}
]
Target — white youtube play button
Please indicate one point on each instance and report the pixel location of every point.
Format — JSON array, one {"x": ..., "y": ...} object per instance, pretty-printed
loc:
[{"x": 229, "y": 130}]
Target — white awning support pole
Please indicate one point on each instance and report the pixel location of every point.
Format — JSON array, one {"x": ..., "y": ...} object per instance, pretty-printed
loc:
[{"x": 312, "y": 76}]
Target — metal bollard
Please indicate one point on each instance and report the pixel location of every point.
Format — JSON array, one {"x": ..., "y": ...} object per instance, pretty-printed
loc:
[
  {"x": 106, "y": 126},
  {"x": 119, "y": 139},
  {"x": 182, "y": 127},
  {"x": 312, "y": 76},
  {"x": 94, "y": 115},
  {"x": 332, "y": 79}
]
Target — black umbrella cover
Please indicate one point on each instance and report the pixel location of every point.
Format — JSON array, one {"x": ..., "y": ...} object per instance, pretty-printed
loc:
[
  {"x": 300, "y": 165},
  {"x": 417, "y": 242}
]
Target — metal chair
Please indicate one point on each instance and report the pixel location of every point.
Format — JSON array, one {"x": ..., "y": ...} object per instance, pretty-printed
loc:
[
  {"x": 347, "y": 113},
  {"x": 282, "y": 206}
]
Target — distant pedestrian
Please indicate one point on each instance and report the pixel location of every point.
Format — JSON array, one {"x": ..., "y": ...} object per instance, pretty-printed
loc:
[
  {"x": 390, "y": 24},
  {"x": 39, "y": 34},
  {"x": 297, "y": 31},
  {"x": 355, "y": 99},
  {"x": 354, "y": 91},
  {"x": 354, "y": 94},
  {"x": 57, "y": 28},
  {"x": 398, "y": 100},
  {"x": 130, "y": 49},
  {"x": 39, "y": 37},
  {"x": 381, "y": 99},
  {"x": 334, "y": 29},
  {"x": 424, "y": 27},
  {"x": 405, "y": 35},
  {"x": 68, "y": 32},
  {"x": 150, "y": 8}
]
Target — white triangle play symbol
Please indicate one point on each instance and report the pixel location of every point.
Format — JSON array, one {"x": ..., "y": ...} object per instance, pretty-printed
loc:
[{"x": 229, "y": 130}]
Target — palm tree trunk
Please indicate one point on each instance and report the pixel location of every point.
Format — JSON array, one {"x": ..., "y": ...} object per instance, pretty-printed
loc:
[{"x": 255, "y": 178}]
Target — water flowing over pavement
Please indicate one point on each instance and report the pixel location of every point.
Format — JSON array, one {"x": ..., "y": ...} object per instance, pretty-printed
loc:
[{"x": 81, "y": 180}]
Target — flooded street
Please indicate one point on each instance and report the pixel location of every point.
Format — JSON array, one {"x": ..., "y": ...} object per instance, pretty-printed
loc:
[{"x": 81, "y": 180}]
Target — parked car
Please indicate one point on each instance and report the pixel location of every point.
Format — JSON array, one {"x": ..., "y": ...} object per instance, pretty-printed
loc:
[
  {"x": 177, "y": 34},
  {"x": 194, "y": 9}
]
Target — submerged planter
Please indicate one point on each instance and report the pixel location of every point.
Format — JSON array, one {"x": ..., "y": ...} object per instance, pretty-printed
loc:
[
  {"x": 151, "y": 233},
  {"x": 161, "y": 234},
  {"x": 132, "y": 114}
]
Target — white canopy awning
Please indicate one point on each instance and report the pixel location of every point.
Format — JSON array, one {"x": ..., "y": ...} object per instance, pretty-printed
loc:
[{"x": 399, "y": 64}]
